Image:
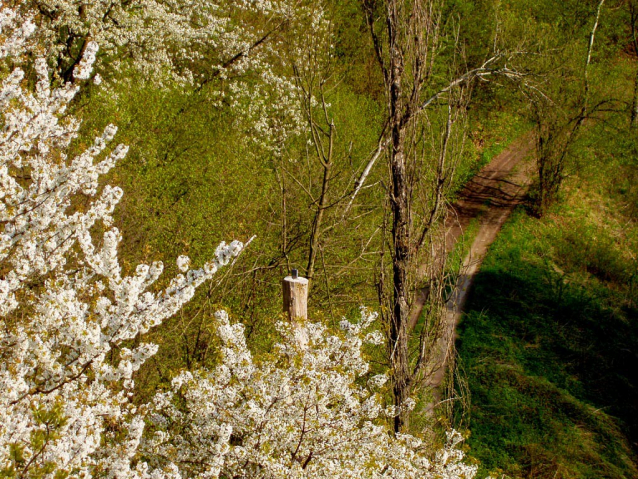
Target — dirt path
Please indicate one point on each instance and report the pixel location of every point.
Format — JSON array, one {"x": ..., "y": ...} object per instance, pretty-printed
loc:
[{"x": 490, "y": 196}]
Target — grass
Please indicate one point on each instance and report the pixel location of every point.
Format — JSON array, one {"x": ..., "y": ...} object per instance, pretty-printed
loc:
[
  {"x": 463, "y": 245},
  {"x": 548, "y": 343},
  {"x": 490, "y": 136}
]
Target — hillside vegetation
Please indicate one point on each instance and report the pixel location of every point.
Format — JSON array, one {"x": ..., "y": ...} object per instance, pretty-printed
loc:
[
  {"x": 234, "y": 141},
  {"x": 549, "y": 339}
]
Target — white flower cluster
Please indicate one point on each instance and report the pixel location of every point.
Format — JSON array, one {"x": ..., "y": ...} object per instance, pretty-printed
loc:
[
  {"x": 16, "y": 31},
  {"x": 162, "y": 36},
  {"x": 299, "y": 413},
  {"x": 65, "y": 307},
  {"x": 83, "y": 69},
  {"x": 240, "y": 42}
]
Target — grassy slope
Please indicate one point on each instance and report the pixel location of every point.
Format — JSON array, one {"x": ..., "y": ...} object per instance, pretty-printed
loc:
[{"x": 549, "y": 341}]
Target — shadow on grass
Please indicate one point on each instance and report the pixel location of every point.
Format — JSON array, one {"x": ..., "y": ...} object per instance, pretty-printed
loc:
[{"x": 553, "y": 373}]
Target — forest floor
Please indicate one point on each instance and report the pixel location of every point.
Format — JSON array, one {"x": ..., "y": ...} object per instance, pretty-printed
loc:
[
  {"x": 546, "y": 372},
  {"x": 487, "y": 199}
]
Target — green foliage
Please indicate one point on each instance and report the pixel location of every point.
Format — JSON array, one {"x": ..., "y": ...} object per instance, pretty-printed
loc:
[
  {"x": 490, "y": 133},
  {"x": 549, "y": 339},
  {"x": 195, "y": 177}
]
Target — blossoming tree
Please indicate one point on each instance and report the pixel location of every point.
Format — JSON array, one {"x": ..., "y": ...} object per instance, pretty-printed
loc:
[
  {"x": 160, "y": 36},
  {"x": 309, "y": 410},
  {"x": 68, "y": 315},
  {"x": 235, "y": 46},
  {"x": 65, "y": 306}
]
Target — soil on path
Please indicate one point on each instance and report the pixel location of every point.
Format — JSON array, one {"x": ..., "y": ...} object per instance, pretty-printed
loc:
[{"x": 490, "y": 196}]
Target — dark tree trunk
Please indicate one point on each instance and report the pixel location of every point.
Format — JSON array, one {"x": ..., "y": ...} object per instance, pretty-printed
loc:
[
  {"x": 399, "y": 203},
  {"x": 634, "y": 104}
]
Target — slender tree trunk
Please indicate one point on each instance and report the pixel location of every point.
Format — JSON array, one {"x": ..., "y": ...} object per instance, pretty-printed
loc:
[
  {"x": 400, "y": 265},
  {"x": 326, "y": 160},
  {"x": 318, "y": 221},
  {"x": 399, "y": 204},
  {"x": 634, "y": 104}
]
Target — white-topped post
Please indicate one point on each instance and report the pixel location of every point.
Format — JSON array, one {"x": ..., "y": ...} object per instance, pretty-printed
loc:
[{"x": 295, "y": 293}]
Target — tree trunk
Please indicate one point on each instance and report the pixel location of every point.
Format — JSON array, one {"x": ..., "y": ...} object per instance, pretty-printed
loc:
[
  {"x": 400, "y": 265},
  {"x": 400, "y": 227},
  {"x": 318, "y": 221},
  {"x": 634, "y": 104}
]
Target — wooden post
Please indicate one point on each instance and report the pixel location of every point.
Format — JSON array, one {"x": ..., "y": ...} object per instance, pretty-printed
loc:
[{"x": 295, "y": 294}]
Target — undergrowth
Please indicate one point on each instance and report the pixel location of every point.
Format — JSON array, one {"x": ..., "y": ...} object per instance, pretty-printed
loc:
[{"x": 549, "y": 339}]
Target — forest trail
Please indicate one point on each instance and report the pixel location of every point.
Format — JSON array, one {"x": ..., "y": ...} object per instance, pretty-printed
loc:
[{"x": 490, "y": 197}]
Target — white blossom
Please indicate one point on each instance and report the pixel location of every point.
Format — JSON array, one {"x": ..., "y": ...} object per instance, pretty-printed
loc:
[
  {"x": 377, "y": 381},
  {"x": 64, "y": 301},
  {"x": 183, "y": 263},
  {"x": 241, "y": 43},
  {"x": 296, "y": 413},
  {"x": 16, "y": 30},
  {"x": 83, "y": 69}
]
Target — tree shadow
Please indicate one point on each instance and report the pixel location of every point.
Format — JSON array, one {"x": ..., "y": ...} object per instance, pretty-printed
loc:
[{"x": 553, "y": 374}]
